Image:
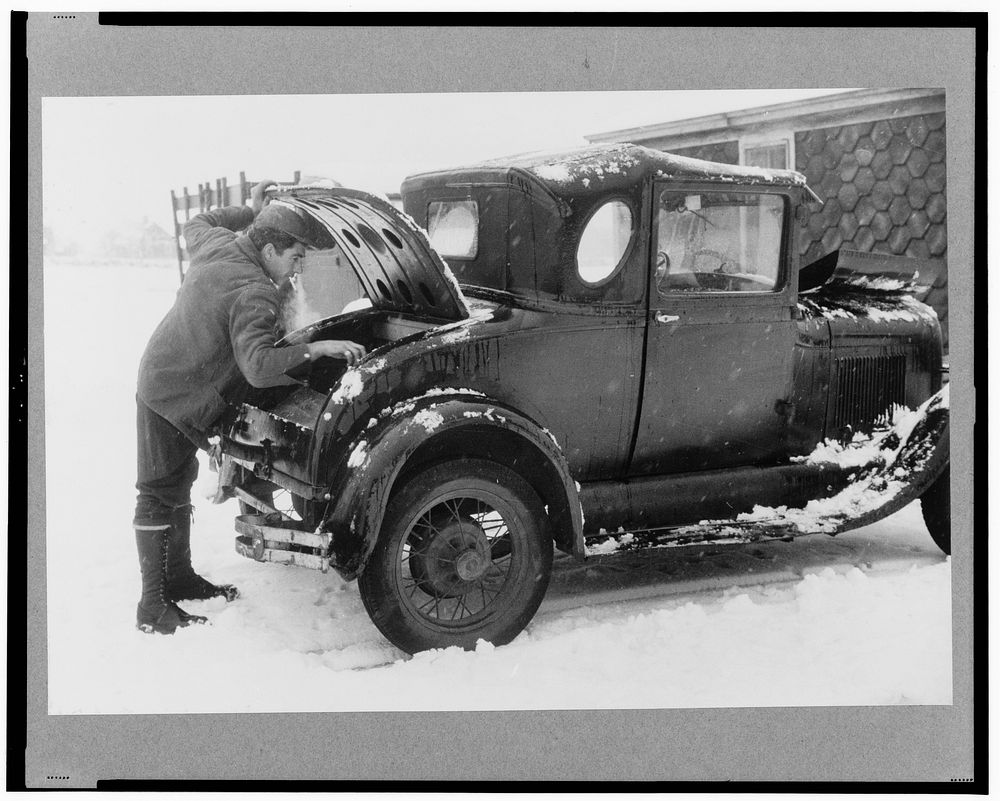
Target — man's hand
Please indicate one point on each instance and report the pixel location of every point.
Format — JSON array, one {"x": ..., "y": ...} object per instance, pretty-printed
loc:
[
  {"x": 257, "y": 199},
  {"x": 351, "y": 352}
]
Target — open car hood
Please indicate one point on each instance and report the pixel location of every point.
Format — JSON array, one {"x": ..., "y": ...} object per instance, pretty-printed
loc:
[
  {"x": 389, "y": 253},
  {"x": 868, "y": 272}
]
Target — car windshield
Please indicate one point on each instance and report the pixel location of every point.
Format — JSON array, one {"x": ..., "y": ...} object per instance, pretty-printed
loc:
[{"x": 718, "y": 241}]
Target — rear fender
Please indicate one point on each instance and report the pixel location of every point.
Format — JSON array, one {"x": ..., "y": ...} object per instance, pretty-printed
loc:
[{"x": 431, "y": 428}]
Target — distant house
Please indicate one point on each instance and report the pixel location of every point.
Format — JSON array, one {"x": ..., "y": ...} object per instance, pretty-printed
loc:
[
  {"x": 875, "y": 156},
  {"x": 154, "y": 241}
]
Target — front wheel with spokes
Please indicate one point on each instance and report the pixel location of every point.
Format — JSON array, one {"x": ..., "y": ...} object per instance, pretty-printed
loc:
[{"x": 465, "y": 553}]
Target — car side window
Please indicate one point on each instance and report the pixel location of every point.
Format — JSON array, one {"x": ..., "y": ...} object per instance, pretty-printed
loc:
[
  {"x": 718, "y": 242},
  {"x": 453, "y": 228},
  {"x": 604, "y": 241}
]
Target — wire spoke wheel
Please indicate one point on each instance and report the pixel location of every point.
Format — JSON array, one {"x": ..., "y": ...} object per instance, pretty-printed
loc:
[
  {"x": 464, "y": 553},
  {"x": 281, "y": 499}
]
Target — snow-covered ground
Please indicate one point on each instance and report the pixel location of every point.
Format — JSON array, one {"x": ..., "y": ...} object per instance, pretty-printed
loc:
[{"x": 862, "y": 619}]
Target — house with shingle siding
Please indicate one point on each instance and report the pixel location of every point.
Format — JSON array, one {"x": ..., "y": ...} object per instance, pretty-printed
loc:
[{"x": 876, "y": 158}]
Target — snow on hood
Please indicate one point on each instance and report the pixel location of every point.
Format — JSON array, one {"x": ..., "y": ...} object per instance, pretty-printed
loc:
[
  {"x": 866, "y": 271},
  {"x": 278, "y": 188},
  {"x": 881, "y": 283},
  {"x": 858, "y": 305},
  {"x": 321, "y": 183},
  {"x": 449, "y": 276},
  {"x": 913, "y": 312},
  {"x": 462, "y": 329}
]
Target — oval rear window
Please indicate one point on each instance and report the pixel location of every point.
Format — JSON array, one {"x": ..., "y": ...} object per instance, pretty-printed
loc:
[{"x": 603, "y": 242}]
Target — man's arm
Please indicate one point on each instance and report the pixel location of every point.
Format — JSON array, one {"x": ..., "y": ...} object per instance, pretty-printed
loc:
[
  {"x": 252, "y": 324},
  {"x": 232, "y": 218},
  {"x": 251, "y": 330},
  {"x": 199, "y": 228}
]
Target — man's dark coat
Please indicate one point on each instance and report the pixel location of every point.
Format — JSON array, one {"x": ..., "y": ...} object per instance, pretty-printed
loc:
[{"x": 219, "y": 337}]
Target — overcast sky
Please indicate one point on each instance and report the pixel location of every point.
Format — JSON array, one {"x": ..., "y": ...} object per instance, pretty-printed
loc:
[{"x": 113, "y": 160}]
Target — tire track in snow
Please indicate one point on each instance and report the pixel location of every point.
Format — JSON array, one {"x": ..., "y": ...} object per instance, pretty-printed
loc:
[{"x": 684, "y": 573}]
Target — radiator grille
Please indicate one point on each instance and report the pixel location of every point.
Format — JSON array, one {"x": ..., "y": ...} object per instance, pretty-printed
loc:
[{"x": 867, "y": 388}]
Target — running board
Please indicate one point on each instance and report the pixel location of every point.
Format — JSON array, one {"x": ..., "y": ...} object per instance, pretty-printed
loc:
[
  {"x": 268, "y": 538},
  {"x": 706, "y": 533}
]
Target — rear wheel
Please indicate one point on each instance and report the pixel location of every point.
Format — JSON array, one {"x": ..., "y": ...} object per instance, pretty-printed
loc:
[
  {"x": 465, "y": 553},
  {"x": 935, "y": 504}
]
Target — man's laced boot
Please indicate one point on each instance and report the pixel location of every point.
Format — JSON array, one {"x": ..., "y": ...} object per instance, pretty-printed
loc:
[
  {"x": 183, "y": 584},
  {"x": 156, "y": 613}
]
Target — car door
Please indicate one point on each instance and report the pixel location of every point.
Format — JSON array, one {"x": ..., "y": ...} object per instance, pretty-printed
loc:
[
  {"x": 720, "y": 333},
  {"x": 575, "y": 365}
]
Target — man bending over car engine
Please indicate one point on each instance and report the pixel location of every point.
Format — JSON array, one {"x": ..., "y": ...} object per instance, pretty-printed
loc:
[{"x": 216, "y": 342}]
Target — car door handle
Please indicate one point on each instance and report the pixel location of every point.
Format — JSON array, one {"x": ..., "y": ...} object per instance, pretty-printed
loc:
[{"x": 662, "y": 318}]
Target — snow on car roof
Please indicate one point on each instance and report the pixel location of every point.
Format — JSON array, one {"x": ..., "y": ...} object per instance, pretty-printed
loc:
[{"x": 586, "y": 165}]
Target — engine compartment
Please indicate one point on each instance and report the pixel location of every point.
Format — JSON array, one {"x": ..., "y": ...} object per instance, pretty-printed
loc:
[
  {"x": 282, "y": 419},
  {"x": 369, "y": 327}
]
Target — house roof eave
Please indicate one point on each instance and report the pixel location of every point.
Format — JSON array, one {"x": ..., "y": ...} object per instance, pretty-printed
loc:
[{"x": 853, "y": 106}]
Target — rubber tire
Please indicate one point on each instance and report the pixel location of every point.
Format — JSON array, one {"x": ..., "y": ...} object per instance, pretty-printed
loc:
[
  {"x": 935, "y": 505},
  {"x": 532, "y": 553}
]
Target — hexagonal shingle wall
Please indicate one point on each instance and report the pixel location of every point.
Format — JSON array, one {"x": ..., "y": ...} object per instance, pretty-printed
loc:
[{"x": 883, "y": 186}]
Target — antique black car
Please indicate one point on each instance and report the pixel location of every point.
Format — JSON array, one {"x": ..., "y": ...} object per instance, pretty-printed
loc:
[{"x": 611, "y": 347}]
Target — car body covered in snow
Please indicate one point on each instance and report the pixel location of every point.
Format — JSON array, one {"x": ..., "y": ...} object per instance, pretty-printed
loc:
[{"x": 607, "y": 348}]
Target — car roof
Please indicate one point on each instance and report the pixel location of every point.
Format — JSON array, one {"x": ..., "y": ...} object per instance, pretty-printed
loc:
[{"x": 609, "y": 166}]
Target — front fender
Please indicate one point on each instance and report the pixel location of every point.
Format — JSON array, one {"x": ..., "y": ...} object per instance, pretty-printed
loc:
[
  {"x": 913, "y": 454},
  {"x": 912, "y": 460},
  {"x": 922, "y": 457},
  {"x": 377, "y": 457}
]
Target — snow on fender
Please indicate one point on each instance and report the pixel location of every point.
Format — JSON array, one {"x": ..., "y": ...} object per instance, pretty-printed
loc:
[
  {"x": 906, "y": 458},
  {"x": 894, "y": 467},
  {"x": 374, "y": 459}
]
